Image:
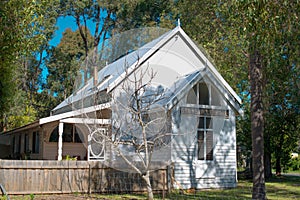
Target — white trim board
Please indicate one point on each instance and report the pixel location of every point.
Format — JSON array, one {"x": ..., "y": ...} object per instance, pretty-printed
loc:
[
  {"x": 74, "y": 113},
  {"x": 86, "y": 121}
]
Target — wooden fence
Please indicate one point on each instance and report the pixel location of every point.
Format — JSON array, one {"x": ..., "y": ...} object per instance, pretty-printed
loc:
[{"x": 45, "y": 177}]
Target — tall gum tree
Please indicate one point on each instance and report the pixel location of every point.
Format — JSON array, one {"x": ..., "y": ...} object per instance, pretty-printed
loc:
[
  {"x": 63, "y": 63},
  {"x": 241, "y": 34},
  {"x": 262, "y": 23},
  {"x": 24, "y": 29}
]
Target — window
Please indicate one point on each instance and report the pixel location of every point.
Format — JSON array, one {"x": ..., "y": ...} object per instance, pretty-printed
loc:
[
  {"x": 26, "y": 145},
  {"x": 203, "y": 94},
  {"x": 70, "y": 134},
  {"x": 35, "y": 142},
  {"x": 205, "y": 138},
  {"x": 19, "y": 144},
  {"x": 14, "y": 144}
]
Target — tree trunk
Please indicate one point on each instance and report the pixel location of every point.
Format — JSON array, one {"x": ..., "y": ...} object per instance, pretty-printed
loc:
[
  {"x": 268, "y": 167},
  {"x": 267, "y": 159},
  {"x": 146, "y": 177},
  {"x": 257, "y": 125},
  {"x": 278, "y": 166}
]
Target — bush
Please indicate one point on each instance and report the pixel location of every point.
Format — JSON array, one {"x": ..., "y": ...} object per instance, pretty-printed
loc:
[{"x": 294, "y": 164}]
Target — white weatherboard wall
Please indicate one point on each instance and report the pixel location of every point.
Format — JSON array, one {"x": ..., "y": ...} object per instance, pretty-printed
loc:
[
  {"x": 192, "y": 173},
  {"x": 177, "y": 56},
  {"x": 170, "y": 63}
]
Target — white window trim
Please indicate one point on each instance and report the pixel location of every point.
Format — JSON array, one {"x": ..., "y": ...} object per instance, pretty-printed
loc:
[{"x": 205, "y": 130}]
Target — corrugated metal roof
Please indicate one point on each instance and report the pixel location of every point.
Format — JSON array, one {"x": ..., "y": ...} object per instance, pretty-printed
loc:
[{"x": 111, "y": 73}]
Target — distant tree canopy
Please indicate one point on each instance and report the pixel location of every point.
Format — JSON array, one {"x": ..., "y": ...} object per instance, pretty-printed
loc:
[{"x": 63, "y": 63}]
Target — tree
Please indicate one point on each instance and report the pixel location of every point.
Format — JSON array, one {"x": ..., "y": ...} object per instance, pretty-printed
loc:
[
  {"x": 140, "y": 132},
  {"x": 23, "y": 31},
  {"x": 144, "y": 13},
  {"x": 113, "y": 17},
  {"x": 140, "y": 124},
  {"x": 247, "y": 33},
  {"x": 261, "y": 23},
  {"x": 281, "y": 85},
  {"x": 283, "y": 102},
  {"x": 257, "y": 124},
  {"x": 63, "y": 64},
  {"x": 102, "y": 14}
]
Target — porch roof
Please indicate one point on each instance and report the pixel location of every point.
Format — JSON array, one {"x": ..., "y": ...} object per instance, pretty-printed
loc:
[
  {"x": 22, "y": 128},
  {"x": 74, "y": 113}
]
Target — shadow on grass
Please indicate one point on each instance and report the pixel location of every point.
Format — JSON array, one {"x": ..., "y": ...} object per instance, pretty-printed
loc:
[
  {"x": 243, "y": 192},
  {"x": 283, "y": 187},
  {"x": 286, "y": 187},
  {"x": 279, "y": 188}
]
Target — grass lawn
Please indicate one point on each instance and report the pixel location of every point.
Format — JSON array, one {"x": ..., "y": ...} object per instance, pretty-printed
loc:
[{"x": 280, "y": 188}]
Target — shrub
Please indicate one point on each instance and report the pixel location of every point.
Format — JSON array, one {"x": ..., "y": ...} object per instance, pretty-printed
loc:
[{"x": 294, "y": 164}]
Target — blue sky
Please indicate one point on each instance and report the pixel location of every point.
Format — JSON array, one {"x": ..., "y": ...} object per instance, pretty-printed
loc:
[
  {"x": 62, "y": 24},
  {"x": 67, "y": 22}
]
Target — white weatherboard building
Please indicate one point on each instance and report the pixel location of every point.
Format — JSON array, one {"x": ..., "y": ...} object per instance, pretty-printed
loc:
[{"x": 202, "y": 107}]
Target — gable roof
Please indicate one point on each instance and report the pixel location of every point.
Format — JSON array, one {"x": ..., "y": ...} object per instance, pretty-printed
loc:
[
  {"x": 113, "y": 74},
  {"x": 186, "y": 83}
]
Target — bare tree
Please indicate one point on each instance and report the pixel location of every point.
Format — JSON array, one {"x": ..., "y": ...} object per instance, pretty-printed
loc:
[
  {"x": 139, "y": 136},
  {"x": 136, "y": 135},
  {"x": 140, "y": 128}
]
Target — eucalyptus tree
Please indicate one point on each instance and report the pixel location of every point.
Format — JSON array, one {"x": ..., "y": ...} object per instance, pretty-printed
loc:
[
  {"x": 103, "y": 16},
  {"x": 24, "y": 29},
  {"x": 262, "y": 23},
  {"x": 282, "y": 89},
  {"x": 110, "y": 17},
  {"x": 256, "y": 22},
  {"x": 241, "y": 34},
  {"x": 143, "y": 13},
  {"x": 63, "y": 63}
]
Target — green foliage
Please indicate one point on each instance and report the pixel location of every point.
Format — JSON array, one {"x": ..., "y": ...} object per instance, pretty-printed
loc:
[
  {"x": 68, "y": 157},
  {"x": 64, "y": 62},
  {"x": 143, "y": 13},
  {"x": 25, "y": 27},
  {"x": 20, "y": 113},
  {"x": 231, "y": 31},
  {"x": 294, "y": 164}
]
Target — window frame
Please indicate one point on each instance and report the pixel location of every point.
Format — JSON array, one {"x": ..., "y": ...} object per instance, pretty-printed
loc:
[
  {"x": 35, "y": 142},
  {"x": 74, "y": 134},
  {"x": 210, "y": 88},
  {"x": 26, "y": 143},
  {"x": 205, "y": 130}
]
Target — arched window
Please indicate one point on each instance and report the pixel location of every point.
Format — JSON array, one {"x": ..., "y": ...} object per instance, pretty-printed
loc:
[
  {"x": 70, "y": 134},
  {"x": 203, "y": 94}
]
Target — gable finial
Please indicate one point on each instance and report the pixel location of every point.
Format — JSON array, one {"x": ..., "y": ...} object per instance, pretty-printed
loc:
[{"x": 178, "y": 22}]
